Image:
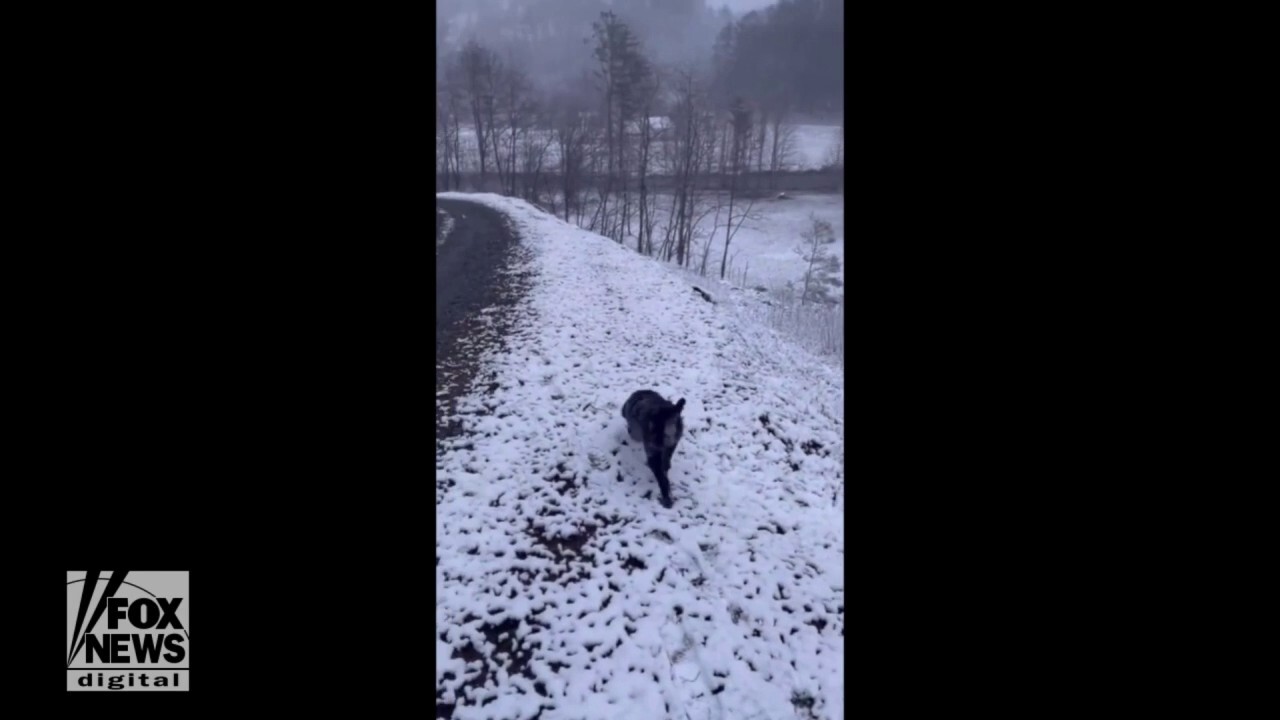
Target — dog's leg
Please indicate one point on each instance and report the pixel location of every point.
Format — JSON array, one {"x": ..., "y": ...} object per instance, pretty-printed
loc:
[{"x": 656, "y": 464}]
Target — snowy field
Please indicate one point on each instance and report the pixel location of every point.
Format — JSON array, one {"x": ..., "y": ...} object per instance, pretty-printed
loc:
[
  {"x": 763, "y": 251},
  {"x": 565, "y": 590},
  {"x": 813, "y": 148}
]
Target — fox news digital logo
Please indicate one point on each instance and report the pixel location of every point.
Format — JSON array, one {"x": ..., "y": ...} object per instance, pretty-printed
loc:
[{"x": 128, "y": 631}]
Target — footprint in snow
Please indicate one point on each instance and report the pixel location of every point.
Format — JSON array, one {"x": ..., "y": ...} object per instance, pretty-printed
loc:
[
  {"x": 661, "y": 535},
  {"x": 696, "y": 688}
]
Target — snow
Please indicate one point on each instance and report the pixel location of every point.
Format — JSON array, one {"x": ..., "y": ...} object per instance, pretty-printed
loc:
[
  {"x": 763, "y": 251},
  {"x": 814, "y": 146},
  {"x": 444, "y": 222},
  {"x": 563, "y": 586}
]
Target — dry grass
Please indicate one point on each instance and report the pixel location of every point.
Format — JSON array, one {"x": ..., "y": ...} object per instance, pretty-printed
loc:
[{"x": 820, "y": 328}]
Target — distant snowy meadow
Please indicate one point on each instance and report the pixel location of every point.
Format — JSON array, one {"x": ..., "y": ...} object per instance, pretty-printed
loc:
[{"x": 811, "y": 147}]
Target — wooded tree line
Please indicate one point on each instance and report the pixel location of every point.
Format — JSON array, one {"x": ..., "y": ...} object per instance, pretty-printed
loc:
[
  {"x": 794, "y": 45},
  {"x": 590, "y": 149},
  {"x": 546, "y": 37},
  {"x": 788, "y": 57}
]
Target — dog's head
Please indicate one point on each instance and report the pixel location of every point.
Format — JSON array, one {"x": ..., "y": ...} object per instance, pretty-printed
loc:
[{"x": 672, "y": 424}]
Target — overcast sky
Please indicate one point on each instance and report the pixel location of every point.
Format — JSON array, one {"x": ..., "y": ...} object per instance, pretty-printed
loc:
[{"x": 741, "y": 6}]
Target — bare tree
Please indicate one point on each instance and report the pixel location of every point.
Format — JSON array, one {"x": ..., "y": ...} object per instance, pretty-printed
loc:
[
  {"x": 494, "y": 106},
  {"x": 450, "y": 110},
  {"x": 537, "y": 146},
  {"x": 623, "y": 73},
  {"x": 570, "y": 133},
  {"x": 735, "y": 218},
  {"x": 519, "y": 110},
  {"x": 648, "y": 93},
  {"x": 479, "y": 66},
  {"x": 762, "y": 136},
  {"x": 710, "y": 237},
  {"x": 741, "y": 132},
  {"x": 690, "y": 145},
  {"x": 822, "y": 270},
  {"x": 610, "y": 35},
  {"x": 595, "y": 151},
  {"x": 443, "y": 138},
  {"x": 783, "y": 135}
]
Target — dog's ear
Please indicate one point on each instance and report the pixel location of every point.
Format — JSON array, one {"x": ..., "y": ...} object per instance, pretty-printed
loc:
[{"x": 679, "y": 405}]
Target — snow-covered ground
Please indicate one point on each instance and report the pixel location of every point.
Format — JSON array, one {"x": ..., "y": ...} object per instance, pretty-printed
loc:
[
  {"x": 763, "y": 250},
  {"x": 444, "y": 225},
  {"x": 813, "y": 147},
  {"x": 563, "y": 586}
]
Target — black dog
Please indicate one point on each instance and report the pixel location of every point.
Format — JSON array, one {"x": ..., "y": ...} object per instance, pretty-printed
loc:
[{"x": 657, "y": 423}]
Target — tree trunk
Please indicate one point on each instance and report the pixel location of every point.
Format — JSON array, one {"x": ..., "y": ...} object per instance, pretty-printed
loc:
[
  {"x": 644, "y": 195},
  {"x": 760, "y": 140},
  {"x": 480, "y": 137},
  {"x": 724, "y": 258},
  {"x": 564, "y": 173}
]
